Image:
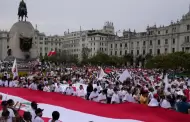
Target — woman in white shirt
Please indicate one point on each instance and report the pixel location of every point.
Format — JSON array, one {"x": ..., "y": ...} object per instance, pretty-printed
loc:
[
  {"x": 115, "y": 98},
  {"x": 94, "y": 95},
  {"x": 102, "y": 97}
]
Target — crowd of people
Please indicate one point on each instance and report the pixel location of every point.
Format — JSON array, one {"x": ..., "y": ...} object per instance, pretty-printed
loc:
[
  {"x": 153, "y": 88},
  {"x": 10, "y": 113}
]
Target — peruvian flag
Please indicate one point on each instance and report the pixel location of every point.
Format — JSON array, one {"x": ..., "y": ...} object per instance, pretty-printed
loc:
[
  {"x": 14, "y": 69},
  {"x": 75, "y": 109},
  {"x": 51, "y": 53}
]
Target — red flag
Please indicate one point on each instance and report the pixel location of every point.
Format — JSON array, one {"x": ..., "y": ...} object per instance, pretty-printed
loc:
[{"x": 51, "y": 53}]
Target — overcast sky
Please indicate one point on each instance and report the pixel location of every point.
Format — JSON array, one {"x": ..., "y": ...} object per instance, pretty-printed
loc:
[{"x": 57, "y": 16}]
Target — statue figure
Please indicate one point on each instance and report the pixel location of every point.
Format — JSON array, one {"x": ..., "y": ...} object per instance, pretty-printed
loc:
[{"x": 22, "y": 11}]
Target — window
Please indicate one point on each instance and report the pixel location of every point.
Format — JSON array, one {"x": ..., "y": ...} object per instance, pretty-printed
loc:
[
  {"x": 144, "y": 43},
  {"x": 144, "y": 52},
  {"x": 115, "y": 52},
  {"x": 166, "y": 31},
  {"x": 173, "y": 41},
  {"x": 137, "y": 44},
  {"x": 187, "y": 39},
  {"x": 111, "y": 53},
  {"x": 188, "y": 27},
  {"x": 111, "y": 45},
  {"x": 120, "y": 45},
  {"x": 150, "y": 51},
  {"x": 94, "y": 44},
  {"x": 166, "y": 41},
  {"x": 120, "y": 52},
  {"x": 166, "y": 50},
  {"x": 125, "y": 44},
  {"x": 100, "y": 43},
  {"x": 158, "y": 32},
  {"x": 173, "y": 50},
  {"x": 115, "y": 45},
  {"x": 137, "y": 52},
  {"x": 183, "y": 49},
  {"x": 131, "y": 52},
  {"x": 150, "y": 42},
  {"x": 158, "y": 51},
  {"x": 125, "y": 52},
  {"x": 94, "y": 38},
  {"x": 158, "y": 42}
]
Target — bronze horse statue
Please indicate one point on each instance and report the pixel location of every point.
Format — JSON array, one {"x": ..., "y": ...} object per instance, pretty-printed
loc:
[{"x": 22, "y": 11}]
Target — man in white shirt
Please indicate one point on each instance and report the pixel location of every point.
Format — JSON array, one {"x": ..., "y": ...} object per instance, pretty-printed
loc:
[
  {"x": 115, "y": 98},
  {"x": 109, "y": 95},
  {"x": 11, "y": 116},
  {"x": 55, "y": 117},
  {"x": 33, "y": 86},
  {"x": 46, "y": 88},
  {"x": 58, "y": 88},
  {"x": 38, "y": 117},
  {"x": 69, "y": 90},
  {"x": 80, "y": 92},
  {"x": 94, "y": 95},
  {"x": 102, "y": 97}
]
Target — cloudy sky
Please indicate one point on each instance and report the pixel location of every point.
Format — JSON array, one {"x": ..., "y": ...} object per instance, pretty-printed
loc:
[{"x": 57, "y": 16}]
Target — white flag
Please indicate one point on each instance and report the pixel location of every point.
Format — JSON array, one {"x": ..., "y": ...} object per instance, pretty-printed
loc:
[
  {"x": 14, "y": 69},
  {"x": 101, "y": 74},
  {"x": 124, "y": 76}
]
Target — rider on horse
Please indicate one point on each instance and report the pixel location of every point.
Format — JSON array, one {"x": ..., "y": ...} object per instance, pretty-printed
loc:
[{"x": 22, "y": 10}]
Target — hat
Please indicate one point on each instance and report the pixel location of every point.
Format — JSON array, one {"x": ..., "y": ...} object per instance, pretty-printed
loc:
[
  {"x": 39, "y": 110},
  {"x": 4, "y": 103}
]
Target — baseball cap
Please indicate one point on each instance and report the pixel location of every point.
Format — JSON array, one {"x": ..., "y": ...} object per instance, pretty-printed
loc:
[{"x": 39, "y": 110}]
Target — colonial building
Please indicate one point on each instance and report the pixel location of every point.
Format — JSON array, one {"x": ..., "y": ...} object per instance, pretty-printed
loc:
[{"x": 155, "y": 40}]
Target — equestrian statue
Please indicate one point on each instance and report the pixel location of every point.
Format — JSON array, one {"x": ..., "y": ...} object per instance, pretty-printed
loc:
[{"x": 22, "y": 11}]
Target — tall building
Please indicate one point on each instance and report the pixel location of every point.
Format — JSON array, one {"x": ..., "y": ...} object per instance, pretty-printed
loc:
[{"x": 155, "y": 40}]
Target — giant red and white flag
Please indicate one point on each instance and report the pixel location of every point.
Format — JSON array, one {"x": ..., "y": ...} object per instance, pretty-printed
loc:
[
  {"x": 51, "y": 53},
  {"x": 15, "y": 69},
  {"x": 74, "y": 109}
]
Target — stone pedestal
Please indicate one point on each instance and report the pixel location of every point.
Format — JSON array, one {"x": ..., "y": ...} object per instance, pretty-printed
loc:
[{"x": 18, "y": 30}]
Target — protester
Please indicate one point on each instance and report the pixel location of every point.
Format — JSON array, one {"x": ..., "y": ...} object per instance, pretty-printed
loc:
[
  {"x": 38, "y": 117},
  {"x": 55, "y": 117}
]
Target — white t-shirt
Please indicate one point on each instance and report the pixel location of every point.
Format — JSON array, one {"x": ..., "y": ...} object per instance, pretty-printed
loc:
[
  {"x": 102, "y": 97},
  {"x": 33, "y": 86},
  {"x": 69, "y": 91},
  {"x": 58, "y": 89},
  {"x": 11, "y": 115},
  {"x": 80, "y": 93},
  {"x": 115, "y": 98},
  {"x": 94, "y": 96},
  {"x": 129, "y": 98},
  {"x": 54, "y": 121},
  {"x": 110, "y": 93},
  {"x": 1, "y": 83},
  {"x": 46, "y": 89},
  {"x": 165, "y": 104},
  {"x": 6, "y": 83},
  {"x": 38, "y": 119},
  {"x": 153, "y": 103}
]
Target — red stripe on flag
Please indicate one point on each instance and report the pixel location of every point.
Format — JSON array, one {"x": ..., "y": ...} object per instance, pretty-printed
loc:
[{"x": 117, "y": 111}]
